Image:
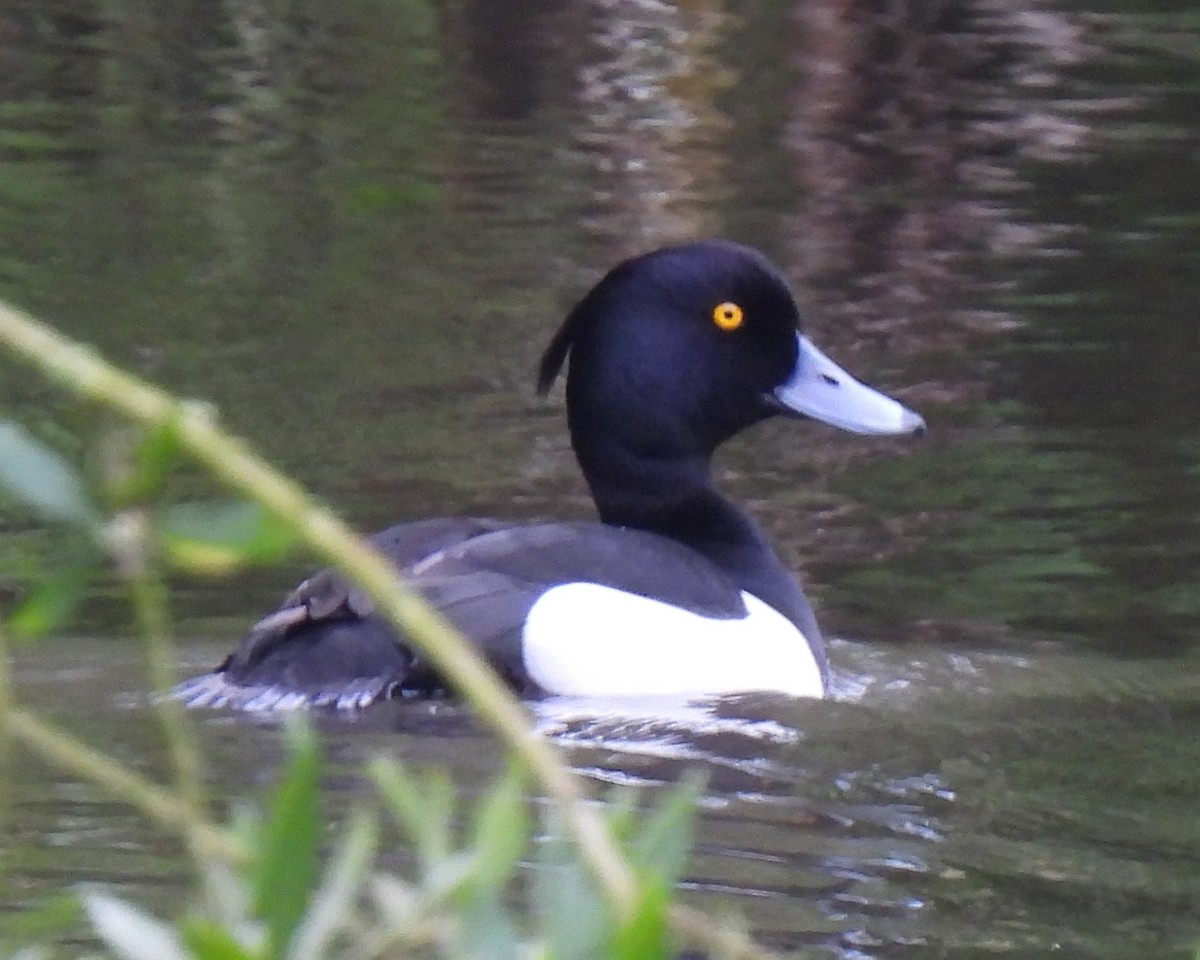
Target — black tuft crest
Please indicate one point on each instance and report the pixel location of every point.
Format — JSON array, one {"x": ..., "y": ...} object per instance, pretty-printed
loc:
[
  {"x": 713, "y": 266},
  {"x": 556, "y": 354}
]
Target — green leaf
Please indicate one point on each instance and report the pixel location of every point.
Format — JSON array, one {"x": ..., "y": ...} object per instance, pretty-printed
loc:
[
  {"x": 215, "y": 537},
  {"x": 52, "y": 602},
  {"x": 499, "y": 830},
  {"x": 621, "y": 812},
  {"x": 131, "y": 933},
  {"x": 663, "y": 844},
  {"x": 227, "y": 890},
  {"x": 40, "y": 478},
  {"x": 339, "y": 890},
  {"x": 646, "y": 935},
  {"x": 140, "y": 461},
  {"x": 47, "y": 920},
  {"x": 575, "y": 918},
  {"x": 485, "y": 928},
  {"x": 422, "y": 810},
  {"x": 287, "y": 861},
  {"x": 211, "y": 941},
  {"x": 573, "y": 914}
]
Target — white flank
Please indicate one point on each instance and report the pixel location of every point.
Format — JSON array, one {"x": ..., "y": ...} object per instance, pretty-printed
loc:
[{"x": 583, "y": 639}]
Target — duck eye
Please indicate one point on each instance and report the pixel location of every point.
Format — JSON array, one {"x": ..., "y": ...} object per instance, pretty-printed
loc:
[{"x": 728, "y": 315}]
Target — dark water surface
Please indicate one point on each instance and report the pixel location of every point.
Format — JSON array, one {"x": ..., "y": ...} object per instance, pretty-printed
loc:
[{"x": 352, "y": 227}]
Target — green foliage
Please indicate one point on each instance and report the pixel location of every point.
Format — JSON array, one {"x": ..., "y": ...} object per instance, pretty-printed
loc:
[
  {"x": 577, "y": 921},
  {"x": 53, "y": 599},
  {"x": 279, "y": 904},
  {"x": 458, "y": 902},
  {"x": 287, "y": 861},
  {"x": 40, "y": 479},
  {"x": 37, "y": 479},
  {"x": 216, "y": 537},
  {"x": 137, "y": 463},
  {"x": 41, "y": 922},
  {"x": 208, "y": 537},
  {"x": 273, "y": 887}
]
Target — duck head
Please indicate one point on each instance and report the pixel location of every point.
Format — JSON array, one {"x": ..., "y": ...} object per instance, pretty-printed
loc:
[{"x": 675, "y": 351}]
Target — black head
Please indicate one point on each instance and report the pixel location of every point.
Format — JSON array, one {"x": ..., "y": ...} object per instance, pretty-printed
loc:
[{"x": 674, "y": 351}]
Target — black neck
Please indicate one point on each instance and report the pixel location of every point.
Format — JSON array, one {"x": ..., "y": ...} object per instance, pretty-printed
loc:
[{"x": 675, "y": 498}]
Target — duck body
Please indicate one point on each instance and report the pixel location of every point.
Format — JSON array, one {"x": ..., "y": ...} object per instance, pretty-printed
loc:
[{"x": 674, "y": 591}]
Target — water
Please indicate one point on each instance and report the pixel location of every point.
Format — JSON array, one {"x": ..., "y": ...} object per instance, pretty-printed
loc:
[{"x": 353, "y": 230}]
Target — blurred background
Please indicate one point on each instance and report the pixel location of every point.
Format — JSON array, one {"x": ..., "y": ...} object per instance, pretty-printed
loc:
[{"x": 352, "y": 227}]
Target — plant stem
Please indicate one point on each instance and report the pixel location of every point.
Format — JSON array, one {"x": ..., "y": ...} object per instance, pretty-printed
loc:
[
  {"x": 150, "y": 608},
  {"x": 83, "y": 760},
  {"x": 83, "y": 371},
  {"x": 7, "y": 757},
  {"x": 7, "y": 700},
  {"x": 724, "y": 941}
]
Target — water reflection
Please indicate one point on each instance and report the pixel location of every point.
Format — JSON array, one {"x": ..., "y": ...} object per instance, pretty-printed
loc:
[
  {"x": 650, "y": 133},
  {"x": 353, "y": 231},
  {"x": 867, "y": 830},
  {"x": 912, "y": 815},
  {"x": 906, "y": 128}
]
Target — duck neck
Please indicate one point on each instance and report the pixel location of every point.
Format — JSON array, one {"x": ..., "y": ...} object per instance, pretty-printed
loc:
[{"x": 675, "y": 497}]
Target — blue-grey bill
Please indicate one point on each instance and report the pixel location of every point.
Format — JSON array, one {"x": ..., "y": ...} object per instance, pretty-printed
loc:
[{"x": 820, "y": 389}]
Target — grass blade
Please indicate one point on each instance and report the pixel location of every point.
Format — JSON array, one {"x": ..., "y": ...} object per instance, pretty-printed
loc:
[
  {"x": 42, "y": 479},
  {"x": 287, "y": 862}
]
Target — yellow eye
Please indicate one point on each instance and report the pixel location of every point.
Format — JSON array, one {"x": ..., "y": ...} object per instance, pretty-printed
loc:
[{"x": 728, "y": 315}]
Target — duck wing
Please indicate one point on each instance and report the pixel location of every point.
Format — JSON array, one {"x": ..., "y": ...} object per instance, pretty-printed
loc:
[{"x": 327, "y": 645}]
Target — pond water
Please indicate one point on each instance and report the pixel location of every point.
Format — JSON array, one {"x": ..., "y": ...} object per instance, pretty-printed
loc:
[{"x": 353, "y": 226}]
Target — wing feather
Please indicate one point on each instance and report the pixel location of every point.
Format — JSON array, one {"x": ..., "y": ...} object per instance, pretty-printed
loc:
[{"x": 327, "y": 644}]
